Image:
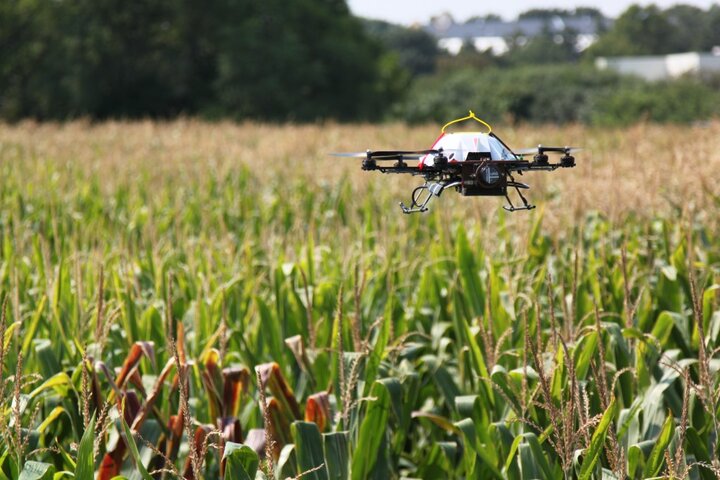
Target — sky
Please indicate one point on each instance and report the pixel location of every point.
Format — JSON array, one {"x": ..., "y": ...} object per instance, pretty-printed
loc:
[{"x": 407, "y": 12}]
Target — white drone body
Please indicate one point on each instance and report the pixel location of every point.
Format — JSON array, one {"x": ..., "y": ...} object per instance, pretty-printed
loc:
[{"x": 457, "y": 146}]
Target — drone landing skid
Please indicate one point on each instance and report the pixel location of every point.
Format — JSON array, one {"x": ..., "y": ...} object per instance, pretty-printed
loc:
[
  {"x": 517, "y": 185},
  {"x": 430, "y": 190}
]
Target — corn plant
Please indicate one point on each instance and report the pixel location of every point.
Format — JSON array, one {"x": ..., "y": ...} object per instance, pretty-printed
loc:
[{"x": 197, "y": 318}]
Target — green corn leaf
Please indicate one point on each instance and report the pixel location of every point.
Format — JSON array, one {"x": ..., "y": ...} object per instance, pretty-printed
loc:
[
  {"x": 337, "y": 455},
  {"x": 287, "y": 462},
  {"x": 584, "y": 353},
  {"x": 60, "y": 382},
  {"x": 85, "y": 464},
  {"x": 657, "y": 455},
  {"x": 539, "y": 455},
  {"x": 502, "y": 380},
  {"x": 31, "y": 328},
  {"x": 698, "y": 449},
  {"x": 372, "y": 431},
  {"x": 635, "y": 460},
  {"x": 467, "y": 428},
  {"x": 241, "y": 462},
  {"x": 378, "y": 351},
  {"x": 37, "y": 471},
  {"x": 468, "y": 268},
  {"x": 528, "y": 463},
  {"x": 63, "y": 475},
  {"x": 49, "y": 365},
  {"x": 309, "y": 450},
  {"x": 597, "y": 442},
  {"x": 132, "y": 446},
  {"x": 51, "y": 417}
]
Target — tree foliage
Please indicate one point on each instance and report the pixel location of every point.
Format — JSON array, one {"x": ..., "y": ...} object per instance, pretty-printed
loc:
[
  {"x": 559, "y": 94},
  {"x": 416, "y": 49},
  {"x": 276, "y": 60},
  {"x": 652, "y": 31},
  {"x": 548, "y": 47}
]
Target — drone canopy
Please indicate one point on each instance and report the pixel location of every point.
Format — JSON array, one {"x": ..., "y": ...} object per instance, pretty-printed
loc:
[{"x": 457, "y": 147}]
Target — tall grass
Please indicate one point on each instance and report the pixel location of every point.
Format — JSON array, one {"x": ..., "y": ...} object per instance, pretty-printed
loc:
[{"x": 205, "y": 300}]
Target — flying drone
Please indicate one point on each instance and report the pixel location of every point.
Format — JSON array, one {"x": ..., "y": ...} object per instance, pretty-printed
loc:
[{"x": 473, "y": 163}]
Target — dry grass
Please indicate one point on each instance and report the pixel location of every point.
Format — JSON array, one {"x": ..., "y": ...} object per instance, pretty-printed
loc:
[{"x": 639, "y": 169}]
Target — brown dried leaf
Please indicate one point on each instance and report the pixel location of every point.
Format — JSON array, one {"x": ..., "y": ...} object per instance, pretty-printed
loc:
[
  {"x": 231, "y": 431},
  {"x": 273, "y": 379},
  {"x": 256, "y": 440},
  {"x": 279, "y": 427},
  {"x": 201, "y": 434},
  {"x": 317, "y": 409},
  {"x": 133, "y": 359},
  {"x": 175, "y": 427},
  {"x": 111, "y": 462},
  {"x": 236, "y": 382},
  {"x": 150, "y": 401},
  {"x": 212, "y": 381}
]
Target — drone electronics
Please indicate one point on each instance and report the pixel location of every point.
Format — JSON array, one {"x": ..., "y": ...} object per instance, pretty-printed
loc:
[{"x": 473, "y": 163}]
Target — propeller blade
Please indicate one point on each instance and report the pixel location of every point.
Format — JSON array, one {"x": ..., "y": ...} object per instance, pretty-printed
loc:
[
  {"x": 395, "y": 153},
  {"x": 534, "y": 150},
  {"x": 404, "y": 156},
  {"x": 387, "y": 154},
  {"x": 526, "y": 151},
  {"x": 349, "y": 154}
]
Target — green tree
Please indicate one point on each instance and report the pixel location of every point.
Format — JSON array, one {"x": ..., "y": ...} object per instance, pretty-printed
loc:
[
  {"x": 299, "y": 60},
  {"x": 638, "y": 31},
  {"x": 711, "y": 29},
  {"x": 302, "y": 60},
  {"x": 416, "y": 50},
  {"x": 548, "y": 47},
  {"x": 549, "y": 13},
  {"x": 31, "y": 42},
  {"x": 688, "y": 27},
  {"x": 468, "y": 57}
]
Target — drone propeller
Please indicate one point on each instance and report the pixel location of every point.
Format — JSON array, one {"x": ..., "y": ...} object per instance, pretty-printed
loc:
[
  {"x": 387, "y": 154},
  {"x": 401, "y": 154},
  {"x": 534, "y": 150},
  {"x": 349, "y": 154}
]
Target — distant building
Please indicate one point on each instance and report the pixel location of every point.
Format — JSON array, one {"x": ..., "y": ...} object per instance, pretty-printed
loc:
[
  {"x": 663, "y": 67},
  {"x": 493, "y": 34}
]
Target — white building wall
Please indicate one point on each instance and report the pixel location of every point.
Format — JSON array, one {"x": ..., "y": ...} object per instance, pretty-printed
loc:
[
  {"x": 679, "y": 64},
  {"x": 452, "y": 45},
  {"x": 497, "y": 45},
  {"x": 584, "y": 40},
  {"x": 649, "y": 68},
  {"x": 662, "y": 67},
  {"x": 710, "y": 62}
]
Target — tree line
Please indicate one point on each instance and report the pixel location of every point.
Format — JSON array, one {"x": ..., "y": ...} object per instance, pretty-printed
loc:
[
  {"x": 275, "y": 60},
  {"x": 271, "y": 60}
]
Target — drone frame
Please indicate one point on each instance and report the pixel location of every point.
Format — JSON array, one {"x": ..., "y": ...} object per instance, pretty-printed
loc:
[
  {"x": 466, "y": 176},
  {"x": 476, "y": 175}
]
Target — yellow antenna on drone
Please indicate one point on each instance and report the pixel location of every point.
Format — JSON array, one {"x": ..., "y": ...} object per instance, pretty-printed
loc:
[{"x": 471, "y": 116}]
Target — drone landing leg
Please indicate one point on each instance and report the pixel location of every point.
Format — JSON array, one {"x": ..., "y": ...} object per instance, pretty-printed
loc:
[
  {"x": 420, "y": 205},
  {"x": 510, "y": 207}
]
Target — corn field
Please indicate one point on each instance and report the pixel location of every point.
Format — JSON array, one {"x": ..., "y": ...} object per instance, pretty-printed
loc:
[{"x": 195, "y": 300}]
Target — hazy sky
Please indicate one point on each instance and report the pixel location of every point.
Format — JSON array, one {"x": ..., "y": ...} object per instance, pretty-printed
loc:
[{"x": 411, "y": 11}]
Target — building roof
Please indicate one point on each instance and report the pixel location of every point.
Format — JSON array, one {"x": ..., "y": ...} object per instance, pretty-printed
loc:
[{"x": 528, "y": 27}]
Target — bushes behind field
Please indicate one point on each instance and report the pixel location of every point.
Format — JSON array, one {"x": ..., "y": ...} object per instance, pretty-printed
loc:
[{"x": 558, "y": 93}]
